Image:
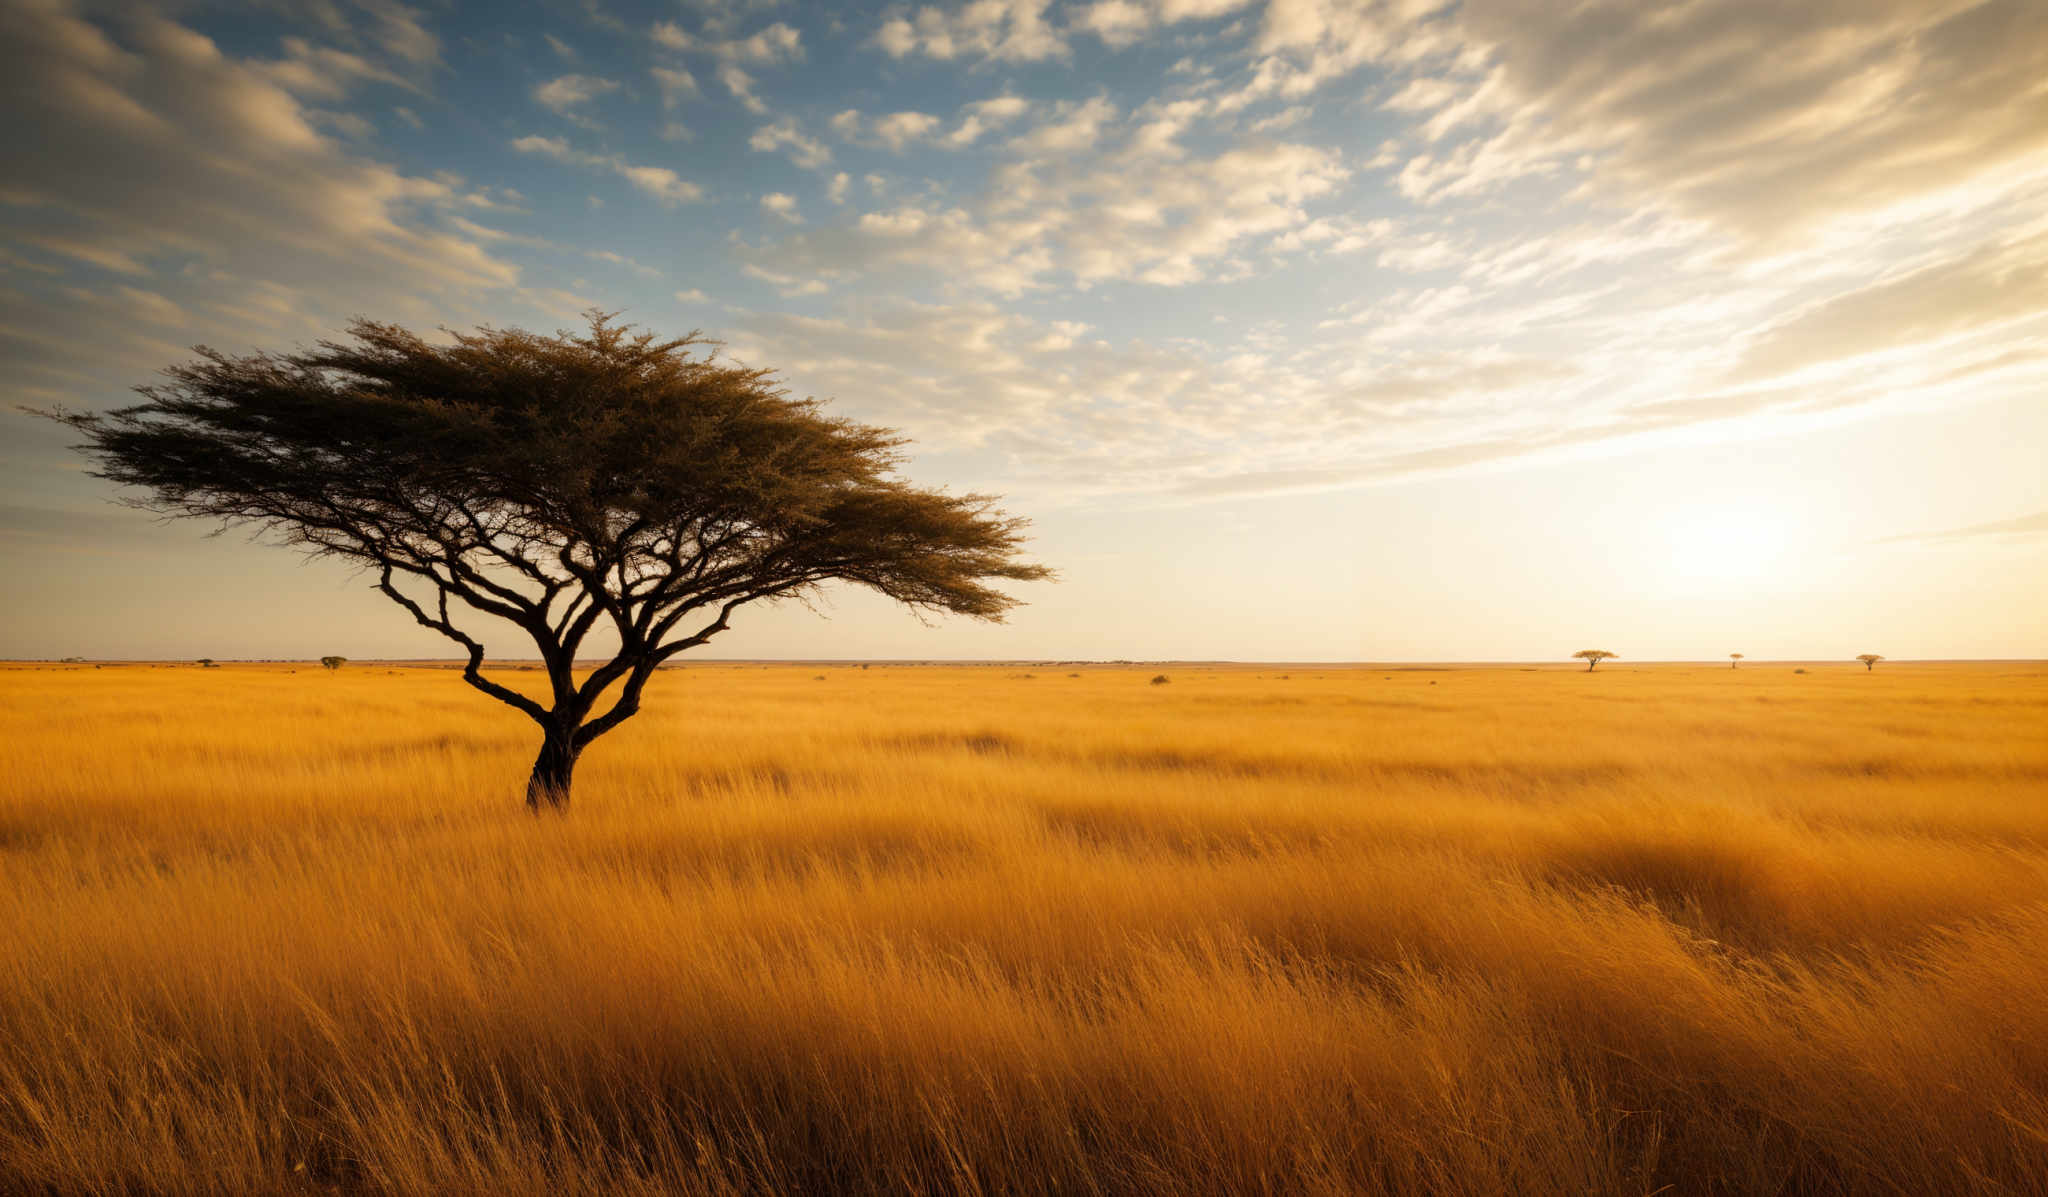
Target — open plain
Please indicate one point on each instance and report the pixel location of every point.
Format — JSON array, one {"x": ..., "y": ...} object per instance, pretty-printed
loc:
[{"x": 1031, "y": 929}]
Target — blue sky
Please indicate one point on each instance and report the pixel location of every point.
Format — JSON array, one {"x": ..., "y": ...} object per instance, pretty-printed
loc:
[{"x": 1301, "y": 329}]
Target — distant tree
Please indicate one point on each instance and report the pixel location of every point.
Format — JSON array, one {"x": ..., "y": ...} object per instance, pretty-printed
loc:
[
  {"x": 206, "y": 662},
  {"x": 1733, "y": 658},
  {"x": 1592, "y": 657},
  {"x": 598, "y": 481},
  {"x": 332, "y": 663},
  {"x": 1869, "y": 660}
]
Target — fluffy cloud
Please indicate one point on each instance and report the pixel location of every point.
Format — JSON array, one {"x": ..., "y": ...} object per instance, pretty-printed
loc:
[
  {"x": 566, "y": 95},
  {"x": 1004, "y": 30},
  {"x": 1071, "y": 414},
  {"x": 1074, "y": 129},
  {"x": 1154, "y": 218},
  {"x": 804, "y": 150},
  {"x": 204, "y": 187},
  {"x": 778, "y": 43}
]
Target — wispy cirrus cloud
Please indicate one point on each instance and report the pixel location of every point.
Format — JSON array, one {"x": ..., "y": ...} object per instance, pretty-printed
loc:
[
  {"x": 658, "y": 181},
  {"x": 2025, "y": 527}
]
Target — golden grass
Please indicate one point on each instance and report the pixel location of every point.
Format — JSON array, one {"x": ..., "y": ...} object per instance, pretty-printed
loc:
[{"x": 966, "y": 930}]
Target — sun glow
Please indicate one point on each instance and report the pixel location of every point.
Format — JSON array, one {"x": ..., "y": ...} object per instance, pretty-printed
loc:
[{"x": 1727, "y": 545}]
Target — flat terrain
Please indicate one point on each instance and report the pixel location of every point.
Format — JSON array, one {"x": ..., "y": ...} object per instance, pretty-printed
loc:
[{"x": 1030, "y": 929}]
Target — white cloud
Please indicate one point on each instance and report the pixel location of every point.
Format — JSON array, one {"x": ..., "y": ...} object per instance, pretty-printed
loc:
[
  {"x": 1989, "y": 287},
  {"x": 899, "y": 129},
  {"x": 128, "y": 173},
  {"x": 1286, "y": 118},
  {"x": 566, "y": 95},
  {"x": 621, "y": 260},
  {"x": 776, "y": 44},
  {"x": 675, "y": 85},
  {"x": 1073, "y": 129},
  {"x": 1161, "y": 220},
  {"x": 788, "y": 285},
  {"x": 1118, "y": 23},
  {"x": 783, "y": 205},
  {"x": 657, "y": 181},
  {"x": 804, "y": 150},
  {"x": 983, "y": 115},
  {"x": 741, "y": 85},
  {"x": 1769, "y": 121},
  {"x": 1004, "y": 30}
]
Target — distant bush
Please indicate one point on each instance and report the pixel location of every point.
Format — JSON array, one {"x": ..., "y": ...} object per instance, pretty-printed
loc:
[
  {"x": 332, "y": 663},
  {"x": 1159, "y": 679},
  {"x": 1799, "y": 671}
]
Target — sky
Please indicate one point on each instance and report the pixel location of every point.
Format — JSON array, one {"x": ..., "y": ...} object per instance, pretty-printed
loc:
[{"x": 1300, "y": 330}]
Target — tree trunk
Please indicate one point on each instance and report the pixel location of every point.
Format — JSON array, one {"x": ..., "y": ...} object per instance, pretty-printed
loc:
[
  {"x": 553, "y": 770},
  {"x": 1590, "y": 662}
]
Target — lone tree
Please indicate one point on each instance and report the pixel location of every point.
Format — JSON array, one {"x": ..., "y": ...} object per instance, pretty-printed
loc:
[
  {"x": 332, "y": 663},
  {"x": 1733, "y": 658},
  {"x": 1592, "y": 657},
  {"x": 1869, "y": 660},
  {"x": 607, "y": 482}
]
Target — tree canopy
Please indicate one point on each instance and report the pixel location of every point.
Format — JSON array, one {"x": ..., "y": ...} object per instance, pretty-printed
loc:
[
  {"x": 606, "y": 479},
  {"x": 1592, "y": 657}
]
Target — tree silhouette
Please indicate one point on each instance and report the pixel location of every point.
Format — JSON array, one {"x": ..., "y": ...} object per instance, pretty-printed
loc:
[
  {"x": 1733, "y": 658},
  {"x": 606, "y": 482},
  {"x": 1869, "y": 660},
  {"x": 332, "y": 663},
  {"x": 1592, "y": 657}
]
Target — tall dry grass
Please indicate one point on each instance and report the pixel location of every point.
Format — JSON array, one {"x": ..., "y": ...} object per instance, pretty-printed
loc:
[{"x": 962, "y": 930}]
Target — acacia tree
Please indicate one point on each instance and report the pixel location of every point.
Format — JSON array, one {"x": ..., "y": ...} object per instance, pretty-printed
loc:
[
  {"x": 333, "y": 663},
  {"x": 1592, "y": 657},
  {"x": 1869, "y": 660},
  {"x": 1733, "y": 658},
  {"x": 609, "y": 482}
]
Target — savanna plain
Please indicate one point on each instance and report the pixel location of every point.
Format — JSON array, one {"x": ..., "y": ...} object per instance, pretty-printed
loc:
[{"x": 1030, "y": 929}]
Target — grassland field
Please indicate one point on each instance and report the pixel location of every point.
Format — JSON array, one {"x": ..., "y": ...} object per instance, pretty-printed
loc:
[{"x": 1019, "y": 929}]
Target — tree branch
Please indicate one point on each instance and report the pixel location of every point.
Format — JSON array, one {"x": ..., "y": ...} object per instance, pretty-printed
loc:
[{"x": 470, "y": 672}]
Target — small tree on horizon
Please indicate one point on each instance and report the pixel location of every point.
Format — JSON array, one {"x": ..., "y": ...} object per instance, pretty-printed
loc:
[
  {"x": 1592, "y": 657},
  {"x": 1733, "y": 658},
  {"x": 333, "y": 663},
  {"x": 604, "y": 480},
  {"x": 1869, "y": 660}
]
